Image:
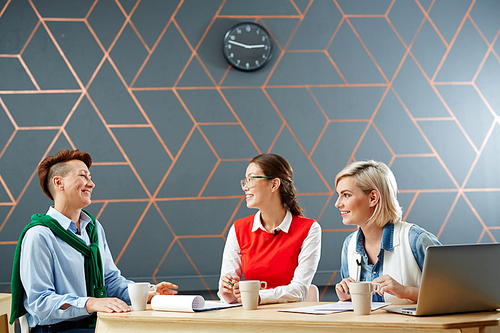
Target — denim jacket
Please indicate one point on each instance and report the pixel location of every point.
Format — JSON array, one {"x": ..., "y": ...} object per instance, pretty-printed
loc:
[{"x": 419, "y": 240}]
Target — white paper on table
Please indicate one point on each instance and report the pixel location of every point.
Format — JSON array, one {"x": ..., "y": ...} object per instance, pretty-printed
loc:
[
  {"x": 186, "y": 303},
  {"x": 181, "y": 303},
  {"x": 217, "y": 305},
  {"x": 332, "y": 308}
]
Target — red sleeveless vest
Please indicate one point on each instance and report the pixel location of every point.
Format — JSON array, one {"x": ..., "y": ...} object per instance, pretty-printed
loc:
[{"x": 270, "y": 258}]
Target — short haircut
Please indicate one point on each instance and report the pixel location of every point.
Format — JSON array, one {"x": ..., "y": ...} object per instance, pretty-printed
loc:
[
  {"x": 372, "y": 175},
  {"x": 56, "y": 165}
]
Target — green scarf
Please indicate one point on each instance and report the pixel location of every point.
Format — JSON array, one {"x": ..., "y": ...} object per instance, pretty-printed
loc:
[{"x": 93, "y": 264}]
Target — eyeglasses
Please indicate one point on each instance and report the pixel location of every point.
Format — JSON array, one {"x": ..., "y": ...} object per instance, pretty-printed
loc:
[{"x": 248, "y": 182}]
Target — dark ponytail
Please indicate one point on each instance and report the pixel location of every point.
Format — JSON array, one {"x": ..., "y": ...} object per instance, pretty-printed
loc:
[{"x": 276, "y": 166}]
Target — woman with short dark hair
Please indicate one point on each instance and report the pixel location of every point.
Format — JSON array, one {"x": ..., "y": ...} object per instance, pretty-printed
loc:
[{"x": 63, "y": 269}]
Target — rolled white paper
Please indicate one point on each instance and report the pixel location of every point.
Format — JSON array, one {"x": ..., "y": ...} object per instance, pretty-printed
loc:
[{"x": 179, "y": 303}]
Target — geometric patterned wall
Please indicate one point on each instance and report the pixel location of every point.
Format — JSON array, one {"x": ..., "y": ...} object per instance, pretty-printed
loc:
[{"x": 143, "y": 87}]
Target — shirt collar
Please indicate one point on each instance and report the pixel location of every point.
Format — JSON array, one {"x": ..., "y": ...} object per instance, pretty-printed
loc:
[
  {"x": 66, "y": 223},
  {"x": 385, "y": 244},
  {"x": 388, "y": 237},
  {"x": 284, "y": 226}
]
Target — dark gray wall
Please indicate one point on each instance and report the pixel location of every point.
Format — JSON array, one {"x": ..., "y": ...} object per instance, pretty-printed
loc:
[{"x": 143, "y": 87}]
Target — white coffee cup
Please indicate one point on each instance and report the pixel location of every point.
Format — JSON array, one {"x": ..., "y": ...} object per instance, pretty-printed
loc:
[
  {"x": 138, "y": 293},
  {"x": 361, "y": 296},
  {"x": 250, "y": 293}
]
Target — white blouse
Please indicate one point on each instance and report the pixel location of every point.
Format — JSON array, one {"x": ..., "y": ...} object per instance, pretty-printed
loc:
[{"x": 296, "y": 290}]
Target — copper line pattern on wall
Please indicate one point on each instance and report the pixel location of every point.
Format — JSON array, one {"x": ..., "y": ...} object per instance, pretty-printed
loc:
[{"x": 152, "y": 199}]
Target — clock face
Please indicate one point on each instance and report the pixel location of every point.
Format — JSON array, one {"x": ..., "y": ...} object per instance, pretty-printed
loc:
[{"x": 247, "y": 46}]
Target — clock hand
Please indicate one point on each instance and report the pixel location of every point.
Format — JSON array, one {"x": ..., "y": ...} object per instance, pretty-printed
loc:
[
  {"x": 240, "y": 44},
  {"x": 256, "y": 46}
]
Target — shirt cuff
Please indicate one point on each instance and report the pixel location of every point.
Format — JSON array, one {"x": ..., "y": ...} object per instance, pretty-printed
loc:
[
  {"x": 79, "y": 306},
  {"x": 267, "y": 296}
]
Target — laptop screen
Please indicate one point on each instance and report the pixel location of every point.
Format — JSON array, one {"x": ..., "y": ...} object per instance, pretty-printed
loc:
[{"x": 460, "y": 278}]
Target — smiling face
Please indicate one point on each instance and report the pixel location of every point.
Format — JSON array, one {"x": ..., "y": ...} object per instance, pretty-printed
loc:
[
  {"x": 259, "y": 194},
  {"x": 355, "y": 206},
  {"x": 76, "y": 185}
]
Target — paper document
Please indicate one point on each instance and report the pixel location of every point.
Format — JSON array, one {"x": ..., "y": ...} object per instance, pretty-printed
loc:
[
  {"x": 186, "y": 303},
  {"x": 332, "y": 308},
  {"x": 216, "y": 306}
]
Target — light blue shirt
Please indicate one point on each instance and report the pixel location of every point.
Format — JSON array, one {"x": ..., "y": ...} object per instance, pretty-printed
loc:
[
  {"x": 419, "y": 239},
  {"x": 53, "y": 273}
]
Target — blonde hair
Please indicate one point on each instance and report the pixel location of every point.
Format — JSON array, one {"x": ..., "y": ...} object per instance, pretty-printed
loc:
[{"x": 372, "y": 175}]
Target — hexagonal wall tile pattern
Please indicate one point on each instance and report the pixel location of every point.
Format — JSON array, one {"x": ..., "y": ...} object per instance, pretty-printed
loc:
[{"x": 143, "y": 87}]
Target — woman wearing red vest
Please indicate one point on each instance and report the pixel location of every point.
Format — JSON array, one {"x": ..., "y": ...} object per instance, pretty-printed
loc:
[{"x": 277, "y": 244}]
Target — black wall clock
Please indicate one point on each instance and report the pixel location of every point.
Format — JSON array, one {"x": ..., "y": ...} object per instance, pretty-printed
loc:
[{"x": 247, "y": 46}]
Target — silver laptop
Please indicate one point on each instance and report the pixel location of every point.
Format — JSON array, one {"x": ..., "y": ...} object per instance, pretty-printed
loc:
[{"x": 458, "y": 278}]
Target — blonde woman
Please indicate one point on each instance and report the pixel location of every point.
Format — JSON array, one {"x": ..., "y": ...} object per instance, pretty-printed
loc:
[{"x": 384, "y": 249}]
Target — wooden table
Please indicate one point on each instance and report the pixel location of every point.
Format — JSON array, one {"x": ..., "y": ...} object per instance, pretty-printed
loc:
[
  {"x": 5, "y": 300},
  {"x": 267, "y": 318}
]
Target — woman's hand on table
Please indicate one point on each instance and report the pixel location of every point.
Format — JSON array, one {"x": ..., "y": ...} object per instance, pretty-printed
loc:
[
  {"x": 342, "y": 289},
  {"x": 164, "y": 288},
  {"x": 107, "y": 304},
  {"x": 394, "y": 288}
]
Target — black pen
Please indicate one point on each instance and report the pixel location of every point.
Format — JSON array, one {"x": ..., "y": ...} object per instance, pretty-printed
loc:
[{"x": 358, "y": 270}]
